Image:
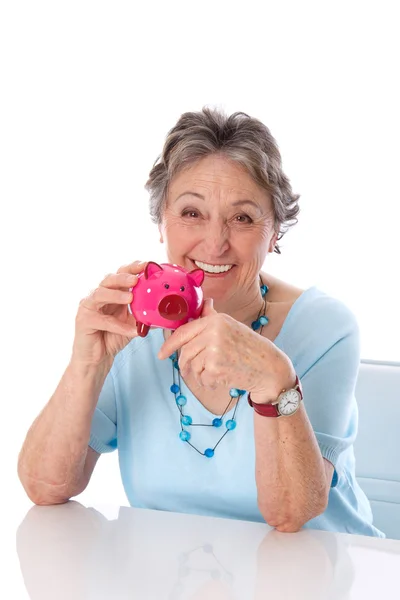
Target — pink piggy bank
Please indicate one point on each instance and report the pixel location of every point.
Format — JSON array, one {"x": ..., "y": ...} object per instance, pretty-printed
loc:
[{"x": 166, "y": 296}]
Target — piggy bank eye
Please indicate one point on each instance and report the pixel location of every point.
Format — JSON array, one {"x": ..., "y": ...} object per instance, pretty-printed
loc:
[
  {"x": 166, "y": 285},
  {"x": 182, "y": 288}
]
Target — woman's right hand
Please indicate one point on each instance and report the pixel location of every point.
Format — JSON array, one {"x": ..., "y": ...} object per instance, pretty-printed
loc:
[{"x": 103, "y": 324}]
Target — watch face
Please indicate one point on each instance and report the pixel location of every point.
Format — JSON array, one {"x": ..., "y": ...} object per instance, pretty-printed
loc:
[{"x": 289, "y": 402}]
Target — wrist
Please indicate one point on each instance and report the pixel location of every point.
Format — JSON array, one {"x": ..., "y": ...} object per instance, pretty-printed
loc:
[
  {"x": 286, "y": 404},
  {"x": 87, "y": 371},
  {"x": 268, "y": 394}
]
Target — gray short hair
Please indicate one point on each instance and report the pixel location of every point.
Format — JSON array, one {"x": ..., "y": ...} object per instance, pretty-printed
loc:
[{"x": 239, "y": 137}]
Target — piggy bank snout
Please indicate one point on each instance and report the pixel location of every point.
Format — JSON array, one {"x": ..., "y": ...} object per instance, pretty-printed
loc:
[{"x": 173, "y": 307}]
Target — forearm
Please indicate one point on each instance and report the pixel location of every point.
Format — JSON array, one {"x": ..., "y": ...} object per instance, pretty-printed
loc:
[
  {"x": 52, "y": 458},
  {"x": 290, "y": 471}
]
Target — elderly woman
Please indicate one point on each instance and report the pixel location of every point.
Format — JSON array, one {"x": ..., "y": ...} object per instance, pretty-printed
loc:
[{"x": 248, "y": 412}]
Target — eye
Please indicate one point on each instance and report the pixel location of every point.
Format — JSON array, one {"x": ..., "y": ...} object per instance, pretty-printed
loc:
[
  {"x": 190, "y": 213},
  {"x": 182, "y": 288},
  {"x": 244, "y": 219},
  {"x": 166, "y": 285}
]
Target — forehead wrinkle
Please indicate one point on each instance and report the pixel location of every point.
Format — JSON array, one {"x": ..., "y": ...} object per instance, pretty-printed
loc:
[
  {"x": 234, "y": 182},
  {"x": 243, "y": 193}
]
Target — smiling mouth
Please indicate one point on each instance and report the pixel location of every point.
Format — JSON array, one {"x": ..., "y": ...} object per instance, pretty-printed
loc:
[{"x": 213, "y": 269}]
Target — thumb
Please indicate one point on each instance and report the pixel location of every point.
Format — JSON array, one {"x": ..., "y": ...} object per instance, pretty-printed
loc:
[{"x": 208, "y": 308}]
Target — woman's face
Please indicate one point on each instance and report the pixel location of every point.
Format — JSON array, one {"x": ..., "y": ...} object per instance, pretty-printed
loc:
[{"x": 218, "y": 219}]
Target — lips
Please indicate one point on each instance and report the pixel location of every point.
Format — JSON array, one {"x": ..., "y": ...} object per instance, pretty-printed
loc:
[{"x": 209, "y": 272}]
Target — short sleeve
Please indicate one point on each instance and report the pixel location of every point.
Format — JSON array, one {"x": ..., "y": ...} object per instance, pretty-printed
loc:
[
  {"x": 103, "y": 433},
  {"x": 329, "y": 386}
]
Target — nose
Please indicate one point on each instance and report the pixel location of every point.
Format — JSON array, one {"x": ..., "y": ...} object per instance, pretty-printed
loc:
[
  {"x": 215, "y": 241},
  {"x": 173, "y": 307}
]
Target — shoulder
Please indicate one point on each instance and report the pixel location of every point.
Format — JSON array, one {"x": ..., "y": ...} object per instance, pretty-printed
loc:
[
  {"x": 330, "y": 314},
  {"x": 308, "y": 314},
  {"x": 316, "y": 310},
  {"x": 316, "y": 323}
]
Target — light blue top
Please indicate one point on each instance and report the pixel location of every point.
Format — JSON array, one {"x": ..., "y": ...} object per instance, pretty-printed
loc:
[{"x": 137, "y": 413}]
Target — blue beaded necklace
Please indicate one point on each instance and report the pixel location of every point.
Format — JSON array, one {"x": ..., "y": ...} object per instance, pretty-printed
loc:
[{"x": 181, "y": 400}]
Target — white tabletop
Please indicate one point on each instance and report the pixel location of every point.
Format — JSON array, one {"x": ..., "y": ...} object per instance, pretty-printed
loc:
[{"x": 78, "y": 553}]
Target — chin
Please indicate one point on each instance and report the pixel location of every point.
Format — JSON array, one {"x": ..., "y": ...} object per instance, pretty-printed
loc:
[{"x": 215, "y": 290}]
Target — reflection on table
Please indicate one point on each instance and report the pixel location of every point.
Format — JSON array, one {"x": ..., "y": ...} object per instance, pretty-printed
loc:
[{"x": 74, "y": 552}]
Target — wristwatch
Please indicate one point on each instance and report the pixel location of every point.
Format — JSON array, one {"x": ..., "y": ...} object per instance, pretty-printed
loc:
[{"x": 287, "y": 404}]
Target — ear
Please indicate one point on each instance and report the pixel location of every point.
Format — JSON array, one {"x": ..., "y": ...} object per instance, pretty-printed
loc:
[
  {"x": 151, "y": 268},
  {"x": 272, "y": 242},
  {"x": 197, "y": 275}
]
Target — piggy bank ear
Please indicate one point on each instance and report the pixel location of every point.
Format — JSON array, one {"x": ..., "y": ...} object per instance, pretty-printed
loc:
[
  {"x": 151, "y": 268},
  {"x": 197, "y": 276}
]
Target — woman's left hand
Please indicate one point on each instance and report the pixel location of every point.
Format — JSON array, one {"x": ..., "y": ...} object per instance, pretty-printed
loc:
[{"x": 220, "y": 351}]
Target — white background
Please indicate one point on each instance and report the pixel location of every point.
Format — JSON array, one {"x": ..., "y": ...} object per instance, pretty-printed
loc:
[{"x": 88, "y": 92}]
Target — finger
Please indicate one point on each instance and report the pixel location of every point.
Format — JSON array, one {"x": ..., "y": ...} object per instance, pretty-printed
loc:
[
  {"x": 135, "y": 268},
  {"x": 203, "y": 375},
  {"x": 208, "y": 380},
  {"x": 208, "y": 308},
  {"x": 183, "y": 335},
  {"x": 197, "y": 366},
  {"x": 188, "y": 354},
  {"x": 98, "y": 322},
  {"x": 119, "y": 280},
  {"x": 103, "y": 296}
]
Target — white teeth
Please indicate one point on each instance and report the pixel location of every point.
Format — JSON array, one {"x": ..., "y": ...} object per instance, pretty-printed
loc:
[{"x": 213, "y": 268}]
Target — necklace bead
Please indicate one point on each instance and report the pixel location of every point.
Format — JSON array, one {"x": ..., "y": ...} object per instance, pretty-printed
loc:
[{"x": 181, "y": 400}]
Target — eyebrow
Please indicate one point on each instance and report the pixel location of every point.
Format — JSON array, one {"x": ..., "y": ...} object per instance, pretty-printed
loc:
[
  {"x": 237, "y": 203},
  {"x": 190, "y": 194}
]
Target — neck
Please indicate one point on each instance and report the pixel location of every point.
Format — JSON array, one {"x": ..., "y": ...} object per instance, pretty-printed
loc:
[{"x": 243, "y": 307}]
